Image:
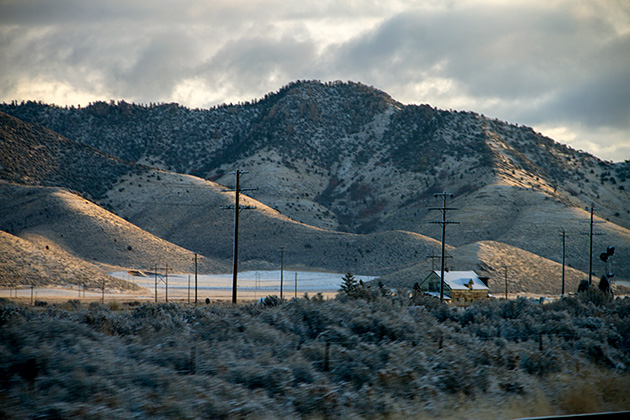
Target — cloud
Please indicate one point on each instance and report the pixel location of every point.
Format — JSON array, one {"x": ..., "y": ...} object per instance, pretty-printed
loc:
[
  {"x": 251, "y": 65},
  {"x": 558, "y": 65},
  {"x": 603, "y": 101}
]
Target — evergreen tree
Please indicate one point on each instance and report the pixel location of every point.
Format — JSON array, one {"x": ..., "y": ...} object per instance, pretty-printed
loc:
[{"x": 349, "y": 285}]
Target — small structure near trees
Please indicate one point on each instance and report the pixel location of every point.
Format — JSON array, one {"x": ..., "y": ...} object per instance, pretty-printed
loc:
[{"x": 461, "y": 288}]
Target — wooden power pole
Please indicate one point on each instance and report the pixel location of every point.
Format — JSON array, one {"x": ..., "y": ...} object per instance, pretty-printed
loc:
[
  {"x": 563, "y": 257},
  {"x": 506, "y": 280},
  {"x": 590, "y": 244},
  {"x": 159, "y": 278},
  {"x": 443, "y": 222},
  {"x": 237, "y": 208},
  {"x": 195, "y": 278},
  {"x": 281, "y": 270},
  {"x": 433, "y": 257}
]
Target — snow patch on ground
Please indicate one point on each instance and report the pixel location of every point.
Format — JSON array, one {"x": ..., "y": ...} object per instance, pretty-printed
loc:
[{"x": 250, "y": 284}]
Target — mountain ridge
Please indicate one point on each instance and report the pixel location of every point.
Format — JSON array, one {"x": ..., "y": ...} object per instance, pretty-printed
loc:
[
  {"x": 312, "y": 127},
  {"x": 348, "y": 158}
]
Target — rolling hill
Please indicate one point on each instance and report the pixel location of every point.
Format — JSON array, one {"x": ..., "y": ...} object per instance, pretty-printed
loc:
[
  {"x": 189, "y": 212},
  {"x": 27, "y": 262},
  {"x": 344, "y": 177},
  {"x": 55, "y": 217}
]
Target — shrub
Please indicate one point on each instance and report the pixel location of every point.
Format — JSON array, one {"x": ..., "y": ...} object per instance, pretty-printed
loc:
[{"x": 341, "y": 358}]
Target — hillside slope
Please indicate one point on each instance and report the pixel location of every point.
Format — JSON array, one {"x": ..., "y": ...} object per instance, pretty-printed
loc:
[
  {"x": 532, "y": 220},
  {"x": 342, "y": 155},
  {"x": 26, "y": 262},
  {"x": 189, "y": 211},
  {"x": 345, "y": 177},
  {"x": 34, "y": 155},
  {"x": 527, "y": 272},
  {"x": 59, "y": 219}
]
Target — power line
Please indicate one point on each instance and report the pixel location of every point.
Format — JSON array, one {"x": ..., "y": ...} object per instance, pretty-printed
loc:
[
  {"x": 196, "y": 278},
  {"x": 590, "y": 246},
  {"x": 443, "y": 222},
  {"x": 237, "y": 209},
  {"x": 281, "y": 270},
  {"x": 164, "y": 203},
  {"x": 563, "y": 256},
  {"x": 433, "y": 257},
  {"x": 506, "y": 280}
]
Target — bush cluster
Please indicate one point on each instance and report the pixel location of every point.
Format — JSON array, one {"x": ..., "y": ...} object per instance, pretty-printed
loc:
[{"x": 311, "y": 358}]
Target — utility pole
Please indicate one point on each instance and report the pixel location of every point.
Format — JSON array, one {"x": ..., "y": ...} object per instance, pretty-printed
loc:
[
  {"x": 443, "y": 222},
  {"x": 506, "y": 282},
  {"x": 590, "y": 244},
  {"x": 563, "y": 258},
  {"x": 256, "y": 284},
  {"x": 296, "y": 284},
  {"x": 166, "y": 281},
  {"x": 237, "y": 208},
  {"x": 195, "y": 278},
  {"x": 156, "y": 276},
  {"x": 281, "y": 270},
  {"x": 433, "y": 257}
]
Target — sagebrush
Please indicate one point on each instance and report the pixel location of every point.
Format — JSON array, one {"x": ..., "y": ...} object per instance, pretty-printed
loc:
[{"x": 386, "y": 356}]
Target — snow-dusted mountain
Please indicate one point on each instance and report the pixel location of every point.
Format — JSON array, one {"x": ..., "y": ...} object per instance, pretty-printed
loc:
[{"x": 345, "y": 157}]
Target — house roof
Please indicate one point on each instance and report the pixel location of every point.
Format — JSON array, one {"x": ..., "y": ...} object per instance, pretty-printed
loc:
[{"x": 462, "y": 280}]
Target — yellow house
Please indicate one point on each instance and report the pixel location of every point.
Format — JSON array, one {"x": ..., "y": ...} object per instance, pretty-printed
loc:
[{"x": 461, "y": 288}]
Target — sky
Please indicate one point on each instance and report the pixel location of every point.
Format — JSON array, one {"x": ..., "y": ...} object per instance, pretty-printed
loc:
[{"x": 561, "y": 67}]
